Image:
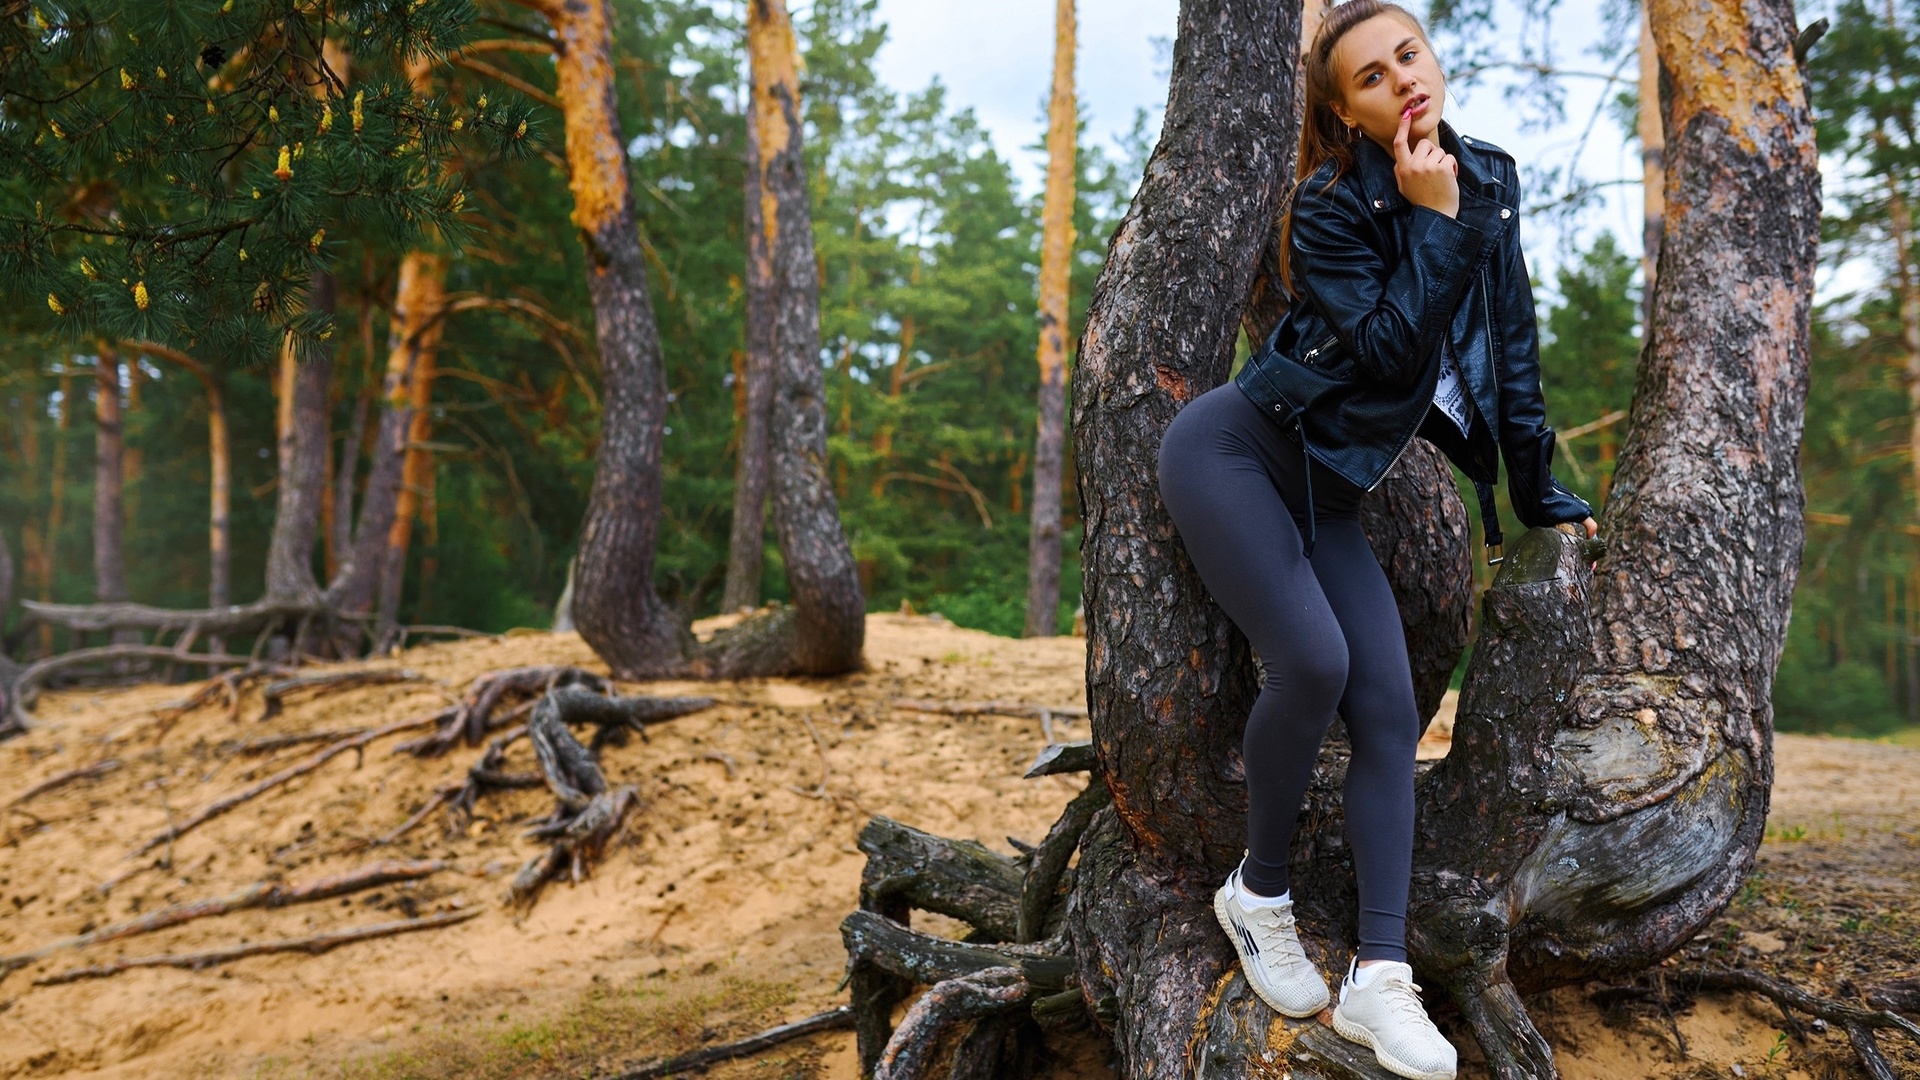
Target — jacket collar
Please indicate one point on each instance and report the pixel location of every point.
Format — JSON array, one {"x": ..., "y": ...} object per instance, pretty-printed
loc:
[{"x": 1373, "y": 169}]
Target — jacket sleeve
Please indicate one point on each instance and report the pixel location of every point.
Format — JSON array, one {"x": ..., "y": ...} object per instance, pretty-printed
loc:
[
  {"x": 1525, "y": 439},
  {"x": 1390, "y": 317}
]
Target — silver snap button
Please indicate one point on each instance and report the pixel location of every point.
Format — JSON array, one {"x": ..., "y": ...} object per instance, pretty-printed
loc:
[
  {"x": 1378, "y": 203},
  {"x": 1505, "y": 214},
  {"x": 1277, "y": 408}
]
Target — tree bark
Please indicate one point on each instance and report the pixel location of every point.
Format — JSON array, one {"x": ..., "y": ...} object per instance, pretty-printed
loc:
[
  {"x": 415, "y": 335},
  {"x": 615, "y": 606},
  {"x": 303, "y": 438},
  {"x": 1169, "y": 680},
  {"x": 1608, "y": 782},
  {"x": 219, "y": 472},
  {"x": 416, "y": 477},
  {"x": 747, "y": 544},
  {"x": 1056, "y": 254},
  {"x": 56, "y": 499},
  {"x": 1653, "y": 166},
  {"x": 824, "y": 583},
  {"x": 109, "y": 513}
]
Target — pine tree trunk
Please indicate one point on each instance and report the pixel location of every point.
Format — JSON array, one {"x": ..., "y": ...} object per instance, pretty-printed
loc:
[
  {"x": 615, "y": 606},
  {"x": 1653, "y": 166},
  {"x": 415, "y": 336},
  {"x": 1608, "y": 782},
  {"x": 829, "y": 606},
  {"x": 219, "y": 471},
  {"x": 747, "y": 544},
  {"x": 303, "y": 438},
  {"x": 415, "y": 479},
  {"x": 56, "y": 501},
  {"x": 109, "y": 514},
  {"x": 1056, "y": 254}
]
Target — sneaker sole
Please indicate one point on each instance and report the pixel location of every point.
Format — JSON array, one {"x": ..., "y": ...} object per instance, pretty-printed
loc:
[
  {"x": 1233, "y": 938},
  {"x": 1354, "y": 1033}
]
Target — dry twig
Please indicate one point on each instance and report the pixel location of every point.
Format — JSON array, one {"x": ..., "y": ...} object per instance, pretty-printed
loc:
[
  {"x": 314, "y": 944},
  {"x": 831, "y": 1020},
  {"x": 269, "y": 894},
  {"x": 86, "y": 772}
]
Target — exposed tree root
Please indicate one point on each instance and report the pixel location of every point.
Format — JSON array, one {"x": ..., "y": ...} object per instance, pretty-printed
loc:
[
  {"x": 1043, "y": 713},
  {"x": 1860, "y": 1024},
  {"x": 315, "y": 944},
  {"x": 60, "y": 780},
  {"x": 470, "y": 720},
  {"x": 26, "y": 687},
  {"x": 831, "y": 1020},
  {"x": 277, "y": 691},
  {"x": 1009, "y": 993},
  {"x": 269, "y": 744},
  {"x": 203, "y": 622},
  {"x": 261, "y": 894},
  {"x": 229, "y": 682},
  {"x": 910, "y": 1053},
  {"x": 588, "y": 813},
  {"x": 220, "y": 806}
]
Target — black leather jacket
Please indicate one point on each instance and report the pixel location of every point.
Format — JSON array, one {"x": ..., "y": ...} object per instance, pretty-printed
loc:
[{"x": 1381, "y": 283}]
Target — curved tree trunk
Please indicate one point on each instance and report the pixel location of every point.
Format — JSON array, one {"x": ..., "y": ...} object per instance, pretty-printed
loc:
[
  {"x": 829, "y": 607},
  {"x": 1608, "y": 783},
  {"x": 1056, "y": 253},
  {"x": 747, "y": 544},
  {"x": 615, "y": 606}
]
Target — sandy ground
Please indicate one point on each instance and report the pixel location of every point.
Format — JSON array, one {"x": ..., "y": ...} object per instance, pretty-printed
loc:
[{"x": 730, "y": 883}]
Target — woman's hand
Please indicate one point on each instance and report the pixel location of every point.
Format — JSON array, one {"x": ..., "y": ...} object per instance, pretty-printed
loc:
[
  {"x": 1591, "y": 526},
  {"x": 1427, "y": 175}
]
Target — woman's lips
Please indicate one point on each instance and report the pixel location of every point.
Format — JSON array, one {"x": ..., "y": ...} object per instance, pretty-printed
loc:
[{"x": 1417, "y": 107}]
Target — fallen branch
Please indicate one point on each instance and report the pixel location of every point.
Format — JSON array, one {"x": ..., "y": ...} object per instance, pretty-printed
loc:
[
  {"x": 1048, "y": 863},
  {"x": 314, "y": 945},
  {"x": 60, "y": 780},
  {"x": 332, "y": 680},
  {"x": 262, "y": 894},
  {"x": 228, "y": 681},
  {"x": 989, "y": 708},
  {"x": 268, "y": 744},
  {"x": 26, "y": 688},
  {"x": 221, "y": 806},
  {"x": 1057, "y": 758},
  {"x": 832, "y": 1020}
]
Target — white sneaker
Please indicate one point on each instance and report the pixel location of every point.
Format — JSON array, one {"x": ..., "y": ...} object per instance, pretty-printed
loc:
[
  {"x": 1276, "y": 966},
  {"x": 1386, "y": 1014}
]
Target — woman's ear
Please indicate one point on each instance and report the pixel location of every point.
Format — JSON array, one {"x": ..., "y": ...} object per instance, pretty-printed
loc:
[{"x": 1340, "y": 112}]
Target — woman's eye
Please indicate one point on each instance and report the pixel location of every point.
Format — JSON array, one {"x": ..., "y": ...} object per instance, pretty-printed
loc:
[
  {"x": 1407, "y": 57},
  {"x": 1371, "y": 79}
]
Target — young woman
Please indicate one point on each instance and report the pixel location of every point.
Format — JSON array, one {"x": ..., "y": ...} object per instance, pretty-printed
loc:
[{"x": 1411, "y": 315}]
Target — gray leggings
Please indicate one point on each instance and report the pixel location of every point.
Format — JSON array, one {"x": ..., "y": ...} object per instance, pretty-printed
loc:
[{"x": 1327, "y": 631}]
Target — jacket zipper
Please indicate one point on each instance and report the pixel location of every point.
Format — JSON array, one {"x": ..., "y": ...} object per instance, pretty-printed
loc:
[{"x": 1320, "y": 348}]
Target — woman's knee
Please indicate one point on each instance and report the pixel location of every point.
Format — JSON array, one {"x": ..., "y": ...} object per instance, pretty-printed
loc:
[{"x": 1316, "y": 672}]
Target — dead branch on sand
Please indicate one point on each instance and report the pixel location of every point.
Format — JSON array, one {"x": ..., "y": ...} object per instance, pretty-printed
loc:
[
  {"x": 314, "y": 945},
  {"x": 60, "y": 780},
  {"x": 831, "y": 1020},
  {"x": 277, "y": 691},
  {"x": 220, "y": 806},
  {"x": 261, "y": 894},
  {"x": 1043, "y": 713}
]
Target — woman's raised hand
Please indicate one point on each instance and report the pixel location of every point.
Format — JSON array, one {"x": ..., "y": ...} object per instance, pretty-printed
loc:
[{"x": 1427, "y": 175}]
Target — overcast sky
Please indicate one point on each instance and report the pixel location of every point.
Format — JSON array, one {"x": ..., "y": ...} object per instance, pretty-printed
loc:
[{"x": 996, "y": 57}]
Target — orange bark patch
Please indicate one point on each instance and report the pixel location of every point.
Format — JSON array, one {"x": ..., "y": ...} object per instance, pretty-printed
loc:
[
  {"x": 776, "y": 89},
  {"x": 596, "y": 161},
  {"x": 1705, "y": 47},
  {"x": 1171, "y": 381}
]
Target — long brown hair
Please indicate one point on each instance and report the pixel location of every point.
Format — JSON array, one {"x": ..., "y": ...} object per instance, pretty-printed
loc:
[{"x": 1324, "y": 136}]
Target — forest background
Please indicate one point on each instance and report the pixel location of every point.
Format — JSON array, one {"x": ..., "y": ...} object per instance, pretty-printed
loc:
[{"x": 928, "y": 254}]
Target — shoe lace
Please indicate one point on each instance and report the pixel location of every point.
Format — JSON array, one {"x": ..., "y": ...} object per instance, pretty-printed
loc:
[
  {"x": 1403, "y": 997},
  {"x": 1276, "y": 929}
]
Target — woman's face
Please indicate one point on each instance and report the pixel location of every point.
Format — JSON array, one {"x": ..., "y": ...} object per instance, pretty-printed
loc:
[{"x": 1382, "y": 67}]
